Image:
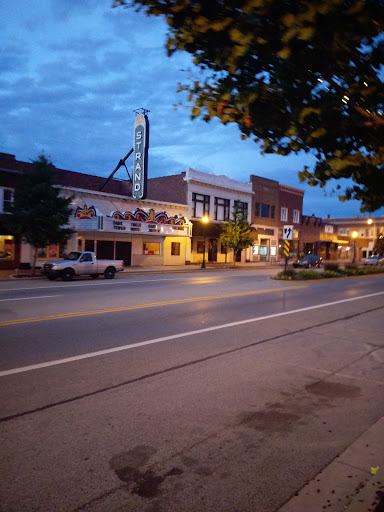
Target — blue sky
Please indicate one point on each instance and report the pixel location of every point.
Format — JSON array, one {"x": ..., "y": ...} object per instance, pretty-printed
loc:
[{"x": 73, "y": 71}]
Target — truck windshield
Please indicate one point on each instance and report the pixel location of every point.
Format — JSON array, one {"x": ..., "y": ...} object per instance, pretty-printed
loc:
[{"x": 73, "y": 256}]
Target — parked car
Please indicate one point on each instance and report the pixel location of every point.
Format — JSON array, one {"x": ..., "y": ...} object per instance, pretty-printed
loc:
[
  {"x": 375, "y": 259},
  {"x": 310, "y": 260},
  {"x": 78, "y": 263}
]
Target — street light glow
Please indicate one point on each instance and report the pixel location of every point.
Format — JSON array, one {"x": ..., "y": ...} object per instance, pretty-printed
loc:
[
  {"x": 205, "y": 219},
  {"x": 354, "y": 234},
  {"x": 369, "y": 221}
]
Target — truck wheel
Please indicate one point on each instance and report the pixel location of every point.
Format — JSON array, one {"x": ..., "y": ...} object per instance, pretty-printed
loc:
[
  {"x": 67, "y": 274},
  {"x": 94, "y": 276},
  {"x": 51, "y": 278},
  {"x": 109, "y": 273}
]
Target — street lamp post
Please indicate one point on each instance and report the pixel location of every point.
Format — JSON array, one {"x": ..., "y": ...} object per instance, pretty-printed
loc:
[
  {"x": 354, "y": 236},
  {"x": 204, "y": 220}
]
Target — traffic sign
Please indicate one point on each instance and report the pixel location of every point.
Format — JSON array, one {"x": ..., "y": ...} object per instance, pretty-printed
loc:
[
  {"x": 286, "y": 248},
  {"x": 287, "y": 232}
]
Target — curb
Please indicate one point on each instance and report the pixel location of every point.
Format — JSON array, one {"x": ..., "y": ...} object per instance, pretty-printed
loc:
[{"x": 347, "y": 483}]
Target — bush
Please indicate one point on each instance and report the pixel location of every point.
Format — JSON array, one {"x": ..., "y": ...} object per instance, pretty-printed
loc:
[
  {"x": 286, "y": 275},
  {"x": 308, "y": 274},
  {"x": 351, "y": 266},
  {"x": 333, "y": 267},
  {"x": 330, "y": 273}
]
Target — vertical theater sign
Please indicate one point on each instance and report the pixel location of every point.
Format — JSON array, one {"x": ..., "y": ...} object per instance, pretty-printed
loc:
[{"x": 140, "y": 156}]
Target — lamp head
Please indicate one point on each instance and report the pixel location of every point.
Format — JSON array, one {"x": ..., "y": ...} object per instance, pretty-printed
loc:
[{"x": 205, "y": 219}]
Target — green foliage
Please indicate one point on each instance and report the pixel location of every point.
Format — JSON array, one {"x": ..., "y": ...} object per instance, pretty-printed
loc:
[
  {"x": 39, "y": 213},
  {"x": 285, "y": 275},
  {"x": 299, "y": 76},
  {"x": 330, "y": 273},
  {"x": 308, "y": 274},
  {"x": 302, "y": 275},
  {"x": 379, "y": 245},
  {"x": 235, "y": 232},
  {"x": 334, "y": 267}
]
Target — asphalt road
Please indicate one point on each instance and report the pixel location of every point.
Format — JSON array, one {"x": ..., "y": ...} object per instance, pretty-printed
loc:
[{"x": 217, "y": 392}]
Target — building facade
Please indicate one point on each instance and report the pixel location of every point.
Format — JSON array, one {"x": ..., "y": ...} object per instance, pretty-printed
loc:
[
  {"x": 265, "y": 215},
  {"x": 361, "y": 233},
  {"x": 110, "y": 223},
  {"x": 211, "y": 196}
]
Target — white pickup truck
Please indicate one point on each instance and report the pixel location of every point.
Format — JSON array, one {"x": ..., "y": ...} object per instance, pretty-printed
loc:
[{"x": 79, "y": 263}]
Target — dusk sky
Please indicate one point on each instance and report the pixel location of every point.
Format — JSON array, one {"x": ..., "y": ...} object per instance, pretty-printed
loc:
[{"x": 73, "y": 71}]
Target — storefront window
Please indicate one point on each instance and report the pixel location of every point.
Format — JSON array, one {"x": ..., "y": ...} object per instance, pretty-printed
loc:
[
  {"x": 200, "y": 247},
  {"x": 256, "y": 250},
  {"x": 53, "y": 251},
  {"x": 151, "y": 248},
  {"x": 7, "y": 248},
  {"x": 263, "y": 250},
  {"x": 175, "y": 248},
  {"x": 273, "y": 251}
]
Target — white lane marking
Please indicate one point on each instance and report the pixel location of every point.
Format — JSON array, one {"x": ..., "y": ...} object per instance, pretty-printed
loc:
[
  {"x": 101, "y": 283},
  {"x": 28, "y": 298},
  {"x": 175, "y": 336}
]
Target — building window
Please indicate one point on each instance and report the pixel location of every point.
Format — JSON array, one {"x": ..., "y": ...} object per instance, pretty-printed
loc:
[
  {"x": 7, "y": 248},
  {"x": 341, "y": 231},
  {"x": 257, "y": 210},
  {"x": 272, "y": 212},
  {"x": 151, "y": 248},
  {"x": 296, "y": 216},
  {"x": 273, "y": 251},
  {"x": 255, "y": 250},
  {"x": 284, "y": 213},
  {"x": 265, "y": 211},
  {"x": 241, "y": 209},
  {"x": 221, "y": 208},
  {"x": 6, "y": 199},
  {"x": 200, "y": 247},
  {"x": 52, "y": 251},
  {"x": 200, "y": 205},
  {"x": 175, "y": 248}
]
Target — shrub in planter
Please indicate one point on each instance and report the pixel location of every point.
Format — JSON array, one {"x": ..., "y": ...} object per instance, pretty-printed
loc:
[
  {"x": 308, "y": 274},
  {"x": 286, "y": 275},
  {"x": 330, "y": 273},
  {"x": 334, "y": 267}
]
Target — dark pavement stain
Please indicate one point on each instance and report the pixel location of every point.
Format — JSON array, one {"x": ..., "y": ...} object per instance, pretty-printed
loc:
[
  {"x": 274, "y": 421},
  {"x": 203, "y": 471},
  {"x": 127, "y": 467},
  {"x": 334, "y": 390}
]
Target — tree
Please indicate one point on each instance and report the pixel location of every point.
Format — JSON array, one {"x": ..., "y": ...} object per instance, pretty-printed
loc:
[
  {"x": 300, "y": 76},
  {"x": 379, "y": 245},
  {"x": 39, "y": 213},
  {"x": 235, "y": 233}
]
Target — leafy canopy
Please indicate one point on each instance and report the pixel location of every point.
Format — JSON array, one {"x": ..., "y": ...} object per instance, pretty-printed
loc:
[
  {"x": 39, "y": 213},
  {"x": 299, "y": 75}
]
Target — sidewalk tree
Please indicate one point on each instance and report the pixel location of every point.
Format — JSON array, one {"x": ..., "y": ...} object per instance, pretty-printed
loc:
[
  {"x": 39, "y": 214},
  {"x": 235, "y": 233},
  {"x": 303, "y": 76}
]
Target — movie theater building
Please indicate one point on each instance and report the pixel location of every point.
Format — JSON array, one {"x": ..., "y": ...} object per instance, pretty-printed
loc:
[{"x": 111, "y": 223}]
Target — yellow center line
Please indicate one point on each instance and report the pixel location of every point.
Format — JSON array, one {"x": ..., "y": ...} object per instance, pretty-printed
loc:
[{"x": 142, "y": 306}]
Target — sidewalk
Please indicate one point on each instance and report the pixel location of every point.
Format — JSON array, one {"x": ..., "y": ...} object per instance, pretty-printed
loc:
[{"x": 347, "y": 483}]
